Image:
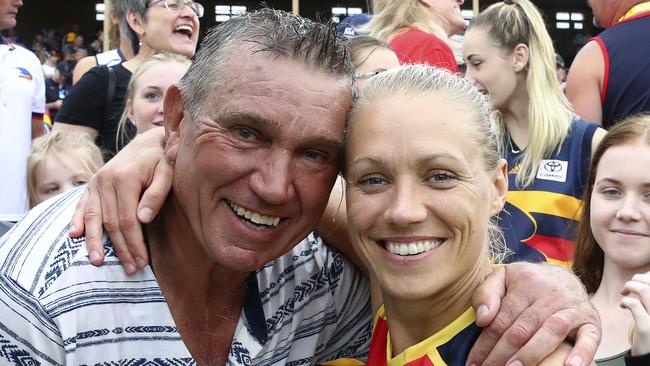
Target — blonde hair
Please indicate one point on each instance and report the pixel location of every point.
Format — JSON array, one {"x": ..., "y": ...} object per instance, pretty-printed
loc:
[
  {"x": 162, "y": 57},
  {"x": 423, "y": 80},
  {"x": 56, "y": 144},
  {"x": 515, "y": 22},
  {"x": 391, "y": 16}
]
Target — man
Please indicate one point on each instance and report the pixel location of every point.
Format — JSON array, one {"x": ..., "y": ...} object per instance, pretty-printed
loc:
[
  {"x": 22, "y": 104},
  {"x": 610, "y": 76},
  {"x": 254, "y": 132}
]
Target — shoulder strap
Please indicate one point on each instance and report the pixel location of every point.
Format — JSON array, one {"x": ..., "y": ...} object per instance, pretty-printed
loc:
[{"x": 110, "y": 92}]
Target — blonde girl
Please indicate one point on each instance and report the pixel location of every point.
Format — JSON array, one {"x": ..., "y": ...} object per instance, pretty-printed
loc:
[
  {"x": 146, "y": 91},
  {"x": 59, "y": 162},
  {"x": 418, "y": 30},
  {"x": 509, "y": 55}
]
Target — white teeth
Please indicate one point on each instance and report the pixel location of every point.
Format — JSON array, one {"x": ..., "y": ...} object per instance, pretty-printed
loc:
[
  {"x": 413, "y": 248},
  {"x": 184, "y": 27},
  {"x": 254, "y": 216}
]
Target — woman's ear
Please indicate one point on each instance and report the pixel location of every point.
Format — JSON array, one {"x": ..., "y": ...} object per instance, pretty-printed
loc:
[
  {"x": 426, "y": 3},
  {"x": 129, "y": 111},
  {"x": 500, "y": 191},
  {"x": 521, "y": 54},
  {"x": 135, "y": 22}
]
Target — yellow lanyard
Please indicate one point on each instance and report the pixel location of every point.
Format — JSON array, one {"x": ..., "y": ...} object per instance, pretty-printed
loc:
[{"x": 636, "y": 9}]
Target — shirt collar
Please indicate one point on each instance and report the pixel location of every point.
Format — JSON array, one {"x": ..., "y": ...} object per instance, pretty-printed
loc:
[
  {"x": 7, "y": 42},
  {"x": 254, "y": 311}
]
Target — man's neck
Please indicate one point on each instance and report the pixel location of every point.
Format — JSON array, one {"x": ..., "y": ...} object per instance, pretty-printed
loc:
[
  {"x": 204, "y": 298},
  {"x": 176, "y": 249}
]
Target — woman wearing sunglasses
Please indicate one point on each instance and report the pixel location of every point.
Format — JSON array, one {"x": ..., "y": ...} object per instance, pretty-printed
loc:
[{"x": 96, "y": 102}]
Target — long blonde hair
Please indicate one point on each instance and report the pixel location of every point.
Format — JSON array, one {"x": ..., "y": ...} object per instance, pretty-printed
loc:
[
  {"x": 391, "y": 16},
  {"x": 514, "y": 22}
]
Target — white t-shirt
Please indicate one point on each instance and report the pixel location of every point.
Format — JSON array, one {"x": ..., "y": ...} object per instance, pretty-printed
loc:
[
  {"x": 22, "y": 93},
  {"x": 308, "y": 306}
]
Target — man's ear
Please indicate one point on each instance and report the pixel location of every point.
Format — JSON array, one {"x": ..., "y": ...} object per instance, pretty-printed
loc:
[
  {"x": 500, "y": 183},
  {"x": 521, "y": 54},
  {"x": 173, "y": 111},
  {"x": 135, "y": 22}
]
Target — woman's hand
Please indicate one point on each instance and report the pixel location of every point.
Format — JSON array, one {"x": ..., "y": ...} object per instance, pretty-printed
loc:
[
  {"x": 112, "y": 200},
  {"x": 636, "y": 298}
]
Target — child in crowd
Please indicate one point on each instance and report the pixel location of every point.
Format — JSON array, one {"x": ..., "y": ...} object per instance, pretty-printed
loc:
[
  {"x": 146, "y": 91},
  {"x": 613, "y": 242},
  {"x": 59, "y": 162},
  {"x": 370, "y": 56}
]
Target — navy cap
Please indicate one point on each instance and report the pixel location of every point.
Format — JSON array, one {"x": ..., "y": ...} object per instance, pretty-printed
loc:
[{"x": 354, "y": 25}]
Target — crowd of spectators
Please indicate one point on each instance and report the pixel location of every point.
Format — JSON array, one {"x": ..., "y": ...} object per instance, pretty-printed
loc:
[{"x": 290, "y": 183}]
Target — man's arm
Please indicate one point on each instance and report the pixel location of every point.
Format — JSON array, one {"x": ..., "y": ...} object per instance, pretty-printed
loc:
[
  {"x": 38, "y": 128},
  {"x": 140, "y": 166},
  {"x": 585, "y": 82},
  {"x": 26, "y": 330},
  {"x": 528, "y": 310}
]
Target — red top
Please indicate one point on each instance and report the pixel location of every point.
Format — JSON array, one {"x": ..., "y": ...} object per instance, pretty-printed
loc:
[{"x": 414, "y": 46}]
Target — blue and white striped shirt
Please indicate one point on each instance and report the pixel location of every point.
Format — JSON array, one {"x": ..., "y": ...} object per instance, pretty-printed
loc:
[{"x": 308, "y": 306}]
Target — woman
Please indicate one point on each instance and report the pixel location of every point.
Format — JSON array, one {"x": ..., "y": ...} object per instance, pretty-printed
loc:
[
  {"x": 613, "y": 242},
  {"x": 418, "y": 30},
  {"x": 154, "y": 26},
  {"x": 510, "y": 57},
  {"x": 146, "y": 91},
  {"x": 419, "y": 208}
]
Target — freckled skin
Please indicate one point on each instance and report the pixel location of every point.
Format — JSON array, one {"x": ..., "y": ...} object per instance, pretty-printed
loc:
[{"x": 281, "y": 162}]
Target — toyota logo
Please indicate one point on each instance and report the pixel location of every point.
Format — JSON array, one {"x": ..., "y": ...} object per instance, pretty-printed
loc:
[{"x": 553, "y": 166}]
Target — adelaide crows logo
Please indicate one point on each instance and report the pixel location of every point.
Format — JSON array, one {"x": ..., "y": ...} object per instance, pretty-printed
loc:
[{"x": 24, "y": 73}]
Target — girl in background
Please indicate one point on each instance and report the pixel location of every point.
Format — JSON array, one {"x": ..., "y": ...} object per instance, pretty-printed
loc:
[
  {"x": 59, "y": 162},
  {"x": 146, "y": 91},
  {"x": 418, "y": 30},
  {"x": 509, "y": 55},
  {"x": 613, "y": 242}
]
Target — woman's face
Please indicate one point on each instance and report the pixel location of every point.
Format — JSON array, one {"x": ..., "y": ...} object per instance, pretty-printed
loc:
[
  {"x": 620, "y": 205},
  {"x": 175, "y": 31},
  {"x": 419, "y": 196},
  {"x": 448, "y": 13},
  {"x": 146, "y": 108},
  {"x": 377, "y": 59},
  {"x": 54, "y": 176},
  {"x": 490, "y": 67}
]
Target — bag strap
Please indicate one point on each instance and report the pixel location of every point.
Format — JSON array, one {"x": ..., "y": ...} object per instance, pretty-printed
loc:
[{"x": 110, "y": 93}]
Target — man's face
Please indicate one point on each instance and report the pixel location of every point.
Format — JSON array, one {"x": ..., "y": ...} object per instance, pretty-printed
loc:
[
  {"x": 8, "y": 11},
  {"x": 253, "y": 173}
]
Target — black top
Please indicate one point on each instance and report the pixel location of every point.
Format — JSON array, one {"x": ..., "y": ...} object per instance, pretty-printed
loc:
[
  {"x": 86, "y": 106},
  {"x": 642, "y": 360},
  {"x": 54, "y": 92}
]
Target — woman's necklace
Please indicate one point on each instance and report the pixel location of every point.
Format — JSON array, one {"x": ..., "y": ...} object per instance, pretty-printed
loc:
[{"x": 512, "y": 146}]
